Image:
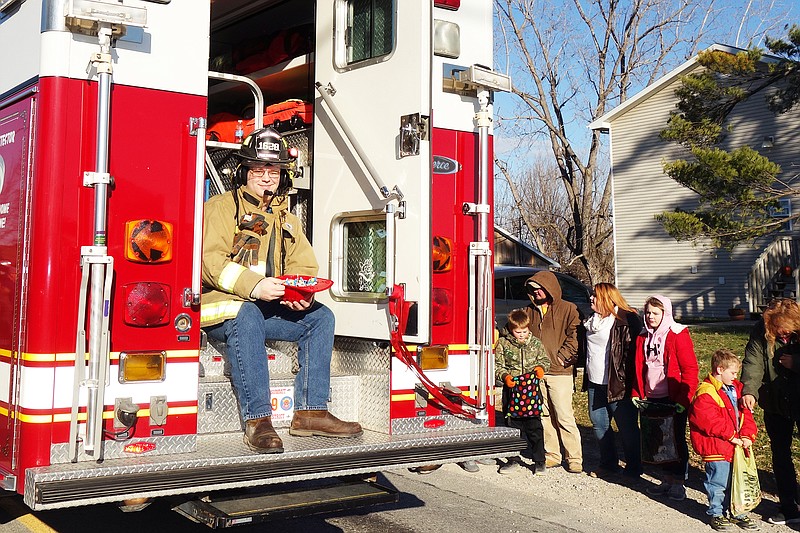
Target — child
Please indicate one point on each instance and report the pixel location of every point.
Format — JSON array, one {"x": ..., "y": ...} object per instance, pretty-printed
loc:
[
  {"x": 518, "y": 353},
  {"x": 718, "y": 421}
]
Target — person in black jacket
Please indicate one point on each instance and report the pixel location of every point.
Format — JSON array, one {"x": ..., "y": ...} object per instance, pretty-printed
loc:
[
  {"x": 610, "y": 347},
  {"x": 771, "y": 377}
]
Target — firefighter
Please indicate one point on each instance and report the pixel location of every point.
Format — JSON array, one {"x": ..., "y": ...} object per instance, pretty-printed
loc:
[{"x": 249, "y": 239}]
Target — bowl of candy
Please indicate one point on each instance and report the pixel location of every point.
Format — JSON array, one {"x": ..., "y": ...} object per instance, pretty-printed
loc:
[{"x": 302, "y": 287}]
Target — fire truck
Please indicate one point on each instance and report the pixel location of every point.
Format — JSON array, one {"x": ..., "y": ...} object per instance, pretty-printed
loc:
[{"x": 115, "y": 126}]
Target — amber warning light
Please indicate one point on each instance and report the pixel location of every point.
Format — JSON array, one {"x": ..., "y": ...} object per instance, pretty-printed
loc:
[{"x": 148, "y": 241}]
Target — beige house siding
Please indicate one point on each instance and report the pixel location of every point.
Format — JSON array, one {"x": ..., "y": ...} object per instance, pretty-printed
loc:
[{"x": 648, "y": 261}]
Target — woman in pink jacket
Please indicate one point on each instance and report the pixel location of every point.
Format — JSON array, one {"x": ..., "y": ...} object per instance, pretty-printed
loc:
[{"x": 666, "y": 372}]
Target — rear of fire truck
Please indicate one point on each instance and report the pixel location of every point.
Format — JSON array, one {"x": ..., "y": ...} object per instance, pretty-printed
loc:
[{"x": 118, "y": 119}]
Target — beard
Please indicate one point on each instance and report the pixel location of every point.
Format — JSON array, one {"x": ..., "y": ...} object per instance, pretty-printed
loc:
[{"x": 540, "y": 301}]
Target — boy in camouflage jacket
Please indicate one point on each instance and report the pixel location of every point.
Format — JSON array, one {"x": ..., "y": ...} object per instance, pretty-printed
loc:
[{"x": 518, "y": 353}]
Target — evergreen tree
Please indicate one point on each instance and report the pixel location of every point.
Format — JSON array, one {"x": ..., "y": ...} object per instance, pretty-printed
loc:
[{"x": 737, "y": 189}]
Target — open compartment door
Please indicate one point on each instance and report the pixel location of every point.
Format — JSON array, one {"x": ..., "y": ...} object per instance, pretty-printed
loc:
[{"x": 375, "y": 73}]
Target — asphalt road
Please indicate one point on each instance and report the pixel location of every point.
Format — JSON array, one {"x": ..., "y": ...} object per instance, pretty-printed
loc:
[{"x": 432, "y": 503}]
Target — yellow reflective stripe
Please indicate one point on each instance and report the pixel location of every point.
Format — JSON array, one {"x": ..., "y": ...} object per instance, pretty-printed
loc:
[
  {"x": 60, "y": 357},
  {"x": 107, "y": 415},
  {"x": 230, "y": 275},
  {"x": 219, "y": 310}
]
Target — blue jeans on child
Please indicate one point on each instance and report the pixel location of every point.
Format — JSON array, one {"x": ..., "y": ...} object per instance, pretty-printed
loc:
[
  {"x": 718, "y": 487},
  {"x": 717, "y": 484},
  {"x": 260, "y": 321},
  {"x": 623, "y": 411}
]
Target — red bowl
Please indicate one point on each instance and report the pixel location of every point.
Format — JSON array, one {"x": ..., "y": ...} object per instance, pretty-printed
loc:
[{"x": 297, "y": 287}]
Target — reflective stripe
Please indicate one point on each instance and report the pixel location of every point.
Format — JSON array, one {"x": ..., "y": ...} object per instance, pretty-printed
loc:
[
  {"x": 260, "y": 268},
  {"x": 230, "y": 275},
  {"x": 214, "y": 312}
]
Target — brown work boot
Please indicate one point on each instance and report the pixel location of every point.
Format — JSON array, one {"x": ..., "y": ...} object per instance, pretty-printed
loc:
[
  {"x": 261, "y": 437},
  {"x": 309, "y": 423}
]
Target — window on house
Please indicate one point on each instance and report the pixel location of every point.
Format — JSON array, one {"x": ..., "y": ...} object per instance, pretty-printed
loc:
[{"x": 784, "y": 211}]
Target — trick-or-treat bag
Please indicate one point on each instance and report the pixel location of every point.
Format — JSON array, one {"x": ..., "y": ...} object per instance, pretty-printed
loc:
[
  {"x": 745, "y": 487},
  {"x": 525, "y": 398},
  {"x": 657, "y": 424}
]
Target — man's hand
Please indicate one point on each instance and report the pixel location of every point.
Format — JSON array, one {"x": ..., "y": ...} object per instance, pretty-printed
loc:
[
  {"x": 746, "y": 443},
  {"x": 299, "y": 305},
  {"x": 749, "y": 401},
  {"x": 737, "y": 441},
  {"x": 268, "y": 289}
]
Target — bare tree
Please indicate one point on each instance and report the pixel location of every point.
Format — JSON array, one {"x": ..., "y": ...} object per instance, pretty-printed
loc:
[{"x": 573, "y": 60}]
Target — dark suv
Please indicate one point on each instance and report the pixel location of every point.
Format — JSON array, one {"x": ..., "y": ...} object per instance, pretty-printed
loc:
[{"x": 510, "y": 292}]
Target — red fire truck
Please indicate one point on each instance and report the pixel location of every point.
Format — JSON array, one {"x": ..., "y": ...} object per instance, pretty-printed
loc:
[{"x": 115, "y": 126}]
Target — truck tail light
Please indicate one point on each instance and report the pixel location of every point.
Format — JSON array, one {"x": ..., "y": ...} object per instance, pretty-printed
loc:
[
  {"x": 433, "y": 357},
  {"x": 441, "y": 306},
  {"x": 142, "y": 366},
  {"x": 447, "y": 4},
  {"x": 146, "y": 304},
  {"x": 148, "y": 241},
  {"x": 442, "y": 255}
]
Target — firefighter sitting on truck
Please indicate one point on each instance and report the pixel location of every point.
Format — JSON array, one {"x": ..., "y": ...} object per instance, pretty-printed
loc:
[{"x": 249, "y": 239}]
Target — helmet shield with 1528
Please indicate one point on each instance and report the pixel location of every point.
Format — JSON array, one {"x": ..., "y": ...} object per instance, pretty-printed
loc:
[{"x": 267, "y": 146}]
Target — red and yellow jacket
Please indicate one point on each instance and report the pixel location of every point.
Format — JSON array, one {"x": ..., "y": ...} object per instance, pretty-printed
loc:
[{"x": 713, "y": 422}]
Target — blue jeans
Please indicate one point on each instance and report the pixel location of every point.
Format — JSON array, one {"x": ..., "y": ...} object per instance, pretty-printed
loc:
[
  {"x": 244, "y": 337},
  {"x": 623, "y": 411},
  {"x": 718, "y": 487}
]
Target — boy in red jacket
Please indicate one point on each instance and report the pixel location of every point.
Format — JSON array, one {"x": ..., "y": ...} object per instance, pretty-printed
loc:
[{"x": 718, "y": 421}]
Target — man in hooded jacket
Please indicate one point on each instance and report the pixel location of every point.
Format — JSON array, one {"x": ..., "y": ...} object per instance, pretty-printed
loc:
[{"x": 554, "y": 321}]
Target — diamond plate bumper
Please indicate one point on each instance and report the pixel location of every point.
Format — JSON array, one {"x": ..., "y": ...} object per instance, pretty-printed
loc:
[{"x": 224, "y": 462}]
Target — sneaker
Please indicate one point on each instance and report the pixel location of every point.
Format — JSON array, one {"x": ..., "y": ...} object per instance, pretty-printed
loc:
[
  {"x": 469, "y": 466},
  {"x": 677, "y": 493},
  {"x": 660, "y": 489},
  {"x": 744, "y": 522},
  {"x": 720, "y": 523},
  {"x": 510, "y": 467},
  {"x": 574, "y": 468},
  {"x": 781, "y": 519},
  {"x": 539, "y": 468},
  {"x": 487, "y": 462}
]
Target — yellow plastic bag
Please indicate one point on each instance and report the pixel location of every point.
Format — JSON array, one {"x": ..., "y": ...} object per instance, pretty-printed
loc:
[{"x": 745, "y": 488}]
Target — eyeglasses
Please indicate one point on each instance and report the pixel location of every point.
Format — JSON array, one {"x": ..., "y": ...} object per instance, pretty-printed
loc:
[{"x": 260, "y": 171}]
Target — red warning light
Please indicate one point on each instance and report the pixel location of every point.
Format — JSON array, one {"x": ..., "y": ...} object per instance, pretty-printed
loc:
[{"x": 139, "y": 447}]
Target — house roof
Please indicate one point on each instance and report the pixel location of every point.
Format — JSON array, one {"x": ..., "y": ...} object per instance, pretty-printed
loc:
[
  {"x": 604, "y": 122},
  {"x": 535, "y": 251}
]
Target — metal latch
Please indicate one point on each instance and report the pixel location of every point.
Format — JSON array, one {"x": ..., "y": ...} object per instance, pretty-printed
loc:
[
  {"x": 413, "y": 130},
  {"x": 469, "y": 208},
  {"x": 94, "y": 178}
]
